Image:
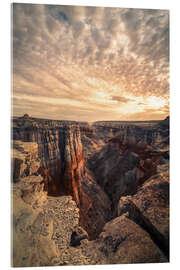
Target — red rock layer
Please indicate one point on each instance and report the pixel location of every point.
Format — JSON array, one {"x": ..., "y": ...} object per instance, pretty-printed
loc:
[{"x": 64, "y": 172}]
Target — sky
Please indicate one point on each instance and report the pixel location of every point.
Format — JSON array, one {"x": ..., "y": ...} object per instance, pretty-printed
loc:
[{"x": 90, "y": 63}]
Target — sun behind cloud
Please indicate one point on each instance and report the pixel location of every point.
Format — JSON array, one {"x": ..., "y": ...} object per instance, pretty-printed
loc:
[{"x": 90, "y": 63}]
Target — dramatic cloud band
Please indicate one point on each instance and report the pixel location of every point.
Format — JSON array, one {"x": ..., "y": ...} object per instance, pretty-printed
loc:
[{"x": 88, "y": 63}]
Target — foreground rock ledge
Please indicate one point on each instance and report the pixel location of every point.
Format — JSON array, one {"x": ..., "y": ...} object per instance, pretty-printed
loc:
[
  {"x": 43, "y": 227},
  {"x": 59, "y": 204}
]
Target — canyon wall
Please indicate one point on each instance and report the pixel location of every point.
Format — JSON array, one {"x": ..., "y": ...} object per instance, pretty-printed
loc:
[
  {"x": 89, "y": 194},
  {"x": 60, "y": 155},
  {"x": 110, "y": 159},
  {"x": 128, "y": 156},
  {"x": 63, "y": 168}
]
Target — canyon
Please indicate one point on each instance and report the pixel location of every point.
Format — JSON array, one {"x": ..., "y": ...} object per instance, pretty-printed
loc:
[{"x": 85, "y": 194}]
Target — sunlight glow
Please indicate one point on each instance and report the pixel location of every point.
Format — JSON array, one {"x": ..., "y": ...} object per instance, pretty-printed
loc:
[{"x": 155, "y": 102}]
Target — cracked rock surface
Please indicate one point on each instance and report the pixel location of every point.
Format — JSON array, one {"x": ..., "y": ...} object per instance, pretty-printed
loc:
[{"x": 87, "y": 195}]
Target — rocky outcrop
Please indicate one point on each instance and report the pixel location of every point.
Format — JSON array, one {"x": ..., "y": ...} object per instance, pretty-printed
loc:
[
  {"x": 46, "y": 233},
  {"x": 60, "y": 155},
  {"x": 149, "y": 207},
  {"x": 63, "y": 169},
  {"x": 123, "y": 241},
  {"x": 127, "y": 160},
  {"x": 95, "y": 209},
  {"x": 78, "y": 235},
  {"x": 25, "y": 159},
  {"x": 42, "y": 226},
  {"x": 89, "y": 195}
]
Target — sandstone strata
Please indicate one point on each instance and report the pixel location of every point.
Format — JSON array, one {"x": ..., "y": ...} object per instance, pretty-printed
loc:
[
  {"x": 64, "y": 171},
  {"x": 129, "y": 156},
  {"x": 89, "y": 194}
]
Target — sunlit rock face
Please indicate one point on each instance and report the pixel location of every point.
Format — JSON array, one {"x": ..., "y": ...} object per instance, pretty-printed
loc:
[
  {"x": 25, "y": 159},
  {"x": 90, "y": 193},
  {"x": 42, "y": 226},
  {"x": 60, "y": 155},
  {"x": 63, "y": 169}
]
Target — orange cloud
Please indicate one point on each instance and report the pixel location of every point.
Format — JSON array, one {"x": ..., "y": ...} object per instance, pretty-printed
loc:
[{"x": 95, "y": 63}]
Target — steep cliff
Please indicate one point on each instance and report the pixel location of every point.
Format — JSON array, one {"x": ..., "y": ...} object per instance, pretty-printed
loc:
[
  {"x": 63, "y": 169},
  {"x": 128, "y": 156},
  {"x": 89, "y": 194}
]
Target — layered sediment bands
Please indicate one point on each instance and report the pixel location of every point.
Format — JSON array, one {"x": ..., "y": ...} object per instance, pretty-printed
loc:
[
  {"x": 60, "y": 154},
  {"x": 117, "y": 176},
  {"x": 127, "y": 160},
  {"x": 73, "y": 164},
  {"x": 64, "y": 172},
  {"x": 121, "y": 174}
]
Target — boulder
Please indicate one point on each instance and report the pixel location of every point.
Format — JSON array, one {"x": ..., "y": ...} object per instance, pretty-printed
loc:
[{"x": 123, "y": 241}]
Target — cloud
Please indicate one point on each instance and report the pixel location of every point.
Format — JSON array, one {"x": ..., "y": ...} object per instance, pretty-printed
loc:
[
  {"x": 121, "y": 99},
  {"x": 55, "y": 48}
]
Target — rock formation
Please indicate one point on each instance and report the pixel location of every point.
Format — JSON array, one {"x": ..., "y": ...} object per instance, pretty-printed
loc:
[
  {"x": 149, "y": 208},
  {"x": 85, "y": 194},
  {"x": 129, "y": 157},
  {"x": 25, "y": 159},
  {"x": 63, "y": 169},
  {"x": 42, "y": 226}
]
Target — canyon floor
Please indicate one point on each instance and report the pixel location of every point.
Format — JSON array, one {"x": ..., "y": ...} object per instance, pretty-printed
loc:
[{"x": 86, "y": 194}]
